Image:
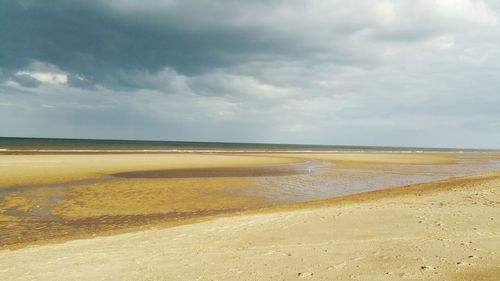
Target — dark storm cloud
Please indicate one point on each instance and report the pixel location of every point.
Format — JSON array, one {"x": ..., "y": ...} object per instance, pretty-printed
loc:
[
  {"x": 101, "y": 41},
  {"x": 89, "y": 39}
]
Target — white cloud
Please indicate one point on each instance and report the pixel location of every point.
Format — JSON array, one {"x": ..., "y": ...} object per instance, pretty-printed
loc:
[
  {"x": 46, "y": 77},
  {"x": 474, "y": 11}
]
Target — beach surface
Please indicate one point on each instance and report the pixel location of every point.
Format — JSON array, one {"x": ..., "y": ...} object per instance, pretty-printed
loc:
[
  {"x": 227, "y": 217},
  {"x": 447, "y": 230}
]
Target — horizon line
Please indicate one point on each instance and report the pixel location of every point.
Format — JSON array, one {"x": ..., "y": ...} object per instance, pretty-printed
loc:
[{"x": 254, "y": 143}]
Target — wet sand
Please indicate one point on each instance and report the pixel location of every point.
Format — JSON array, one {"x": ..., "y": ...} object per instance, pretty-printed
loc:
[{"x": 446, "y": 230}]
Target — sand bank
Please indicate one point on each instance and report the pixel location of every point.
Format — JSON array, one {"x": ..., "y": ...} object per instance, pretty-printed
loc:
[
  {"x": 33, "y": 169},
  {"x": 442, "y": 231},
  {"x": 55, "y": 168}
]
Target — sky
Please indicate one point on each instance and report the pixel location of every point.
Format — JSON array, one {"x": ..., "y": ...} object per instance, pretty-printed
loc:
[{"x": 423, "y": 73}]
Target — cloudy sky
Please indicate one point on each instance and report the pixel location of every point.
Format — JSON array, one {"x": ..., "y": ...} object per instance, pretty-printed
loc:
[{"x": 365, "y": 72}]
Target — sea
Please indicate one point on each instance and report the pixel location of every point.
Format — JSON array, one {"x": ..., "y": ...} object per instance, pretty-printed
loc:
[{"x": 67, "y": 145}]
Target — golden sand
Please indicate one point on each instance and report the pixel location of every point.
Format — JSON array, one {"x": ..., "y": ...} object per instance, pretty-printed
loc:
[{"x": 154, "y": 197}]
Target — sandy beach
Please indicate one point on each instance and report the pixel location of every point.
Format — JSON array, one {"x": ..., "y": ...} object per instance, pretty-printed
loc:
[{"x": 209, "y": 228}]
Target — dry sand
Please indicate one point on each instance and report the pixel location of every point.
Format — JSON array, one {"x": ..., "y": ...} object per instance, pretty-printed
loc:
[{"x": 440, "y": 231}]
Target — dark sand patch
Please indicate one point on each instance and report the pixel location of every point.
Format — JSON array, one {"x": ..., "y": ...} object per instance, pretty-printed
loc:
[{"x": 266, "y": 171}]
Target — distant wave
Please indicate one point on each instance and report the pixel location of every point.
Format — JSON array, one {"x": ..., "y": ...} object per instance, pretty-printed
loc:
[
  {"x": 157, "y": 150},
  {"x": 212, "y": 151}
]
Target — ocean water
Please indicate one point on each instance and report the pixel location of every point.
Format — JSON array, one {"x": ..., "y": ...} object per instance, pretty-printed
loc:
[{"x": 33, "y": 145}]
